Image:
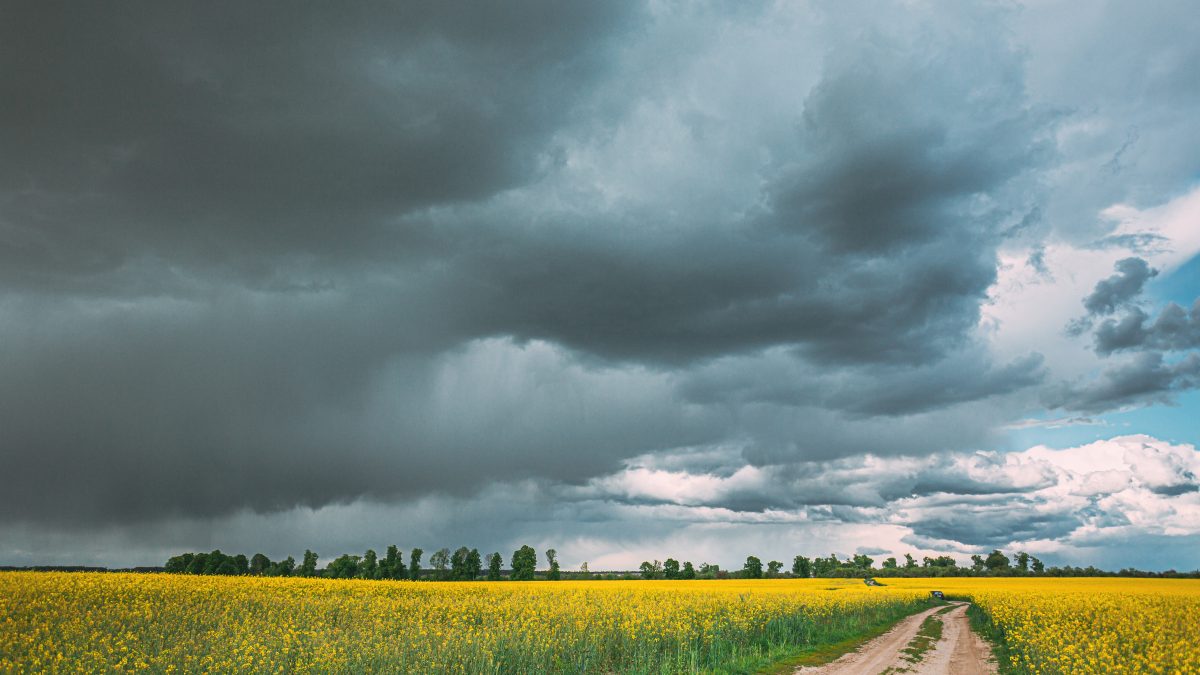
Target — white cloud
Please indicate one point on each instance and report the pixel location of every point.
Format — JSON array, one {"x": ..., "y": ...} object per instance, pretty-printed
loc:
[
  {"x": 1045, "y": 500},
  {"x": 1039, "y": 289},
  {"x": 1079, "y": 504}
]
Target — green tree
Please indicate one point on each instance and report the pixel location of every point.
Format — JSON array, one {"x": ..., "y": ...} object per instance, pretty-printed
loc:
[
  {"x": 1038, "y": 566},
  {"x": 996, "y": 561},
  {"x": 259, "y": 564},
  {"x": 494, "y": 563},
  {"x": 308, "y": 566},
  {"x": 241, "y": 564},
  {"x": 1023, "y": 561},
  {"x": 198, "y": 564},
  {"x": 910, "y": 563},
  {"x": 369, "y": 567},
  {"x": 179, "y": 564},
  {"x": 552, "y": 560},
  {"x": 801, "y": 566},
  {"x": 753, "y": 568},
  {"x": 218, "y": 563},
  {"x": 343, "y": 567},
  {"x": 213, "y": 561},
  {"x": 773, "y": 568},
  {"x": 283, "y": 568},
  {"x": 651, "y": 570},
  {"x": 862, "y": 562},
  {"x": 977, "y": 564},
  {"x": 414, "y": 564},
  {"x": 670, "y": 568},
  {"x": 440, "y": 562},
  {"x": 524, "y": 563},
  {"x": 458, "y": 563},
  {"x": 392, "y": 566},
  {"x": 889, "y": 564},
  {"x": 688, "y": 571},
  {"x": 474, "y": 564},
  {"x": 942, "y": 561}
]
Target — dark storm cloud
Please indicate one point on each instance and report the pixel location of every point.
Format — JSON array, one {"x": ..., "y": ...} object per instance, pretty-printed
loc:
[
  {"x": 993, "y": 525},
  {"x": 1113, "y": 293},
  {"x": 680, "y": 299},
  {"x": 866, "y": 243},
  {"x": 1176, "y": 490},
  {"x": 1128, "y": 332},
  {"x": 1117, "y": 290},
  {"x": 190, "y": 197},
  {"x": 266, "y": 256},
  {"x": 940, "y": 387},
  {"x": 873, "y": 182},
  {"x": 153, "y": 419},
  {"x": 784, "y": 434},
  {"x": 211, "y": 134},
  {"x": 1146, "y": 378},
  {"x": 873, "y": 390},
  {"x": 1175, "y": 329}
]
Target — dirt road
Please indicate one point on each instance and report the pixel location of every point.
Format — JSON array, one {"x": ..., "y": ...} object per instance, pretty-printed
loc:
[{"x": 959, "y": 651}]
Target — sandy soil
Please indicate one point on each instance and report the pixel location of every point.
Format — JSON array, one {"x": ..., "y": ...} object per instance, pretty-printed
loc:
[{"x": 959, "y": 652}]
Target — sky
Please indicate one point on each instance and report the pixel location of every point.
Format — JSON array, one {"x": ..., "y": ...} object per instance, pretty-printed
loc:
[{"x": 629, "y": 280}]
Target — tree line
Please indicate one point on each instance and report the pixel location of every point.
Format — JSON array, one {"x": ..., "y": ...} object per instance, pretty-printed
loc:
[
  {"x": 462, "y": 565},
  {"x": 466, "y": 564},
  {"x": 993, "y": 564},
  {"x": 996, "y": 563}
]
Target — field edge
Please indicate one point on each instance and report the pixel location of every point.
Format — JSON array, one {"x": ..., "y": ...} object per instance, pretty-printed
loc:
[
  {"x": 787, "y": 658},
  {"x": 984, "y": 627}
]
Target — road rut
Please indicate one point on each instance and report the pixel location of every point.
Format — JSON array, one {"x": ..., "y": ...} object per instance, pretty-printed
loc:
[{"x": 959, "y": 651}]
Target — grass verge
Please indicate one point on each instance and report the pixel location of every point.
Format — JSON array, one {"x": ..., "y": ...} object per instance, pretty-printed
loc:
[
  {"x": 786, "y": 658},
  {"x": 982, "y": 624},
  {"x": 925, "y": 639}
]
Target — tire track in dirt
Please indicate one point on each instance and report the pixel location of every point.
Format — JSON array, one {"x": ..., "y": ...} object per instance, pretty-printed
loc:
[{"x": 959, "y": 651}]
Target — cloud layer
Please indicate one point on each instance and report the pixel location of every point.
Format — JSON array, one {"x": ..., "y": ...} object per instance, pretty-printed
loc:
[{"x": 260, "y": 261}]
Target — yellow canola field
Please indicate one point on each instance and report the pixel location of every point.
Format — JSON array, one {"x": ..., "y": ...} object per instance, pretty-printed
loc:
[
  {"x": 1084, "y": 626},
  {"x": 80, "y": 622},
  {"x": 75, "y": 622}
]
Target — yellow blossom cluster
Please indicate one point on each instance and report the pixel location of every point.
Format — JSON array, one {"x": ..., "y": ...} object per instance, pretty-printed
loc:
[{"x": 93, "y": 622}]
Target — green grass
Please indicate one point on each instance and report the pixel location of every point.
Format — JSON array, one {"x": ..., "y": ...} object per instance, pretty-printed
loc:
[
  {"x": 982, "y": 624},
  {"x": 784, "y": 658},
  {"x": 926, "y": 639}
]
